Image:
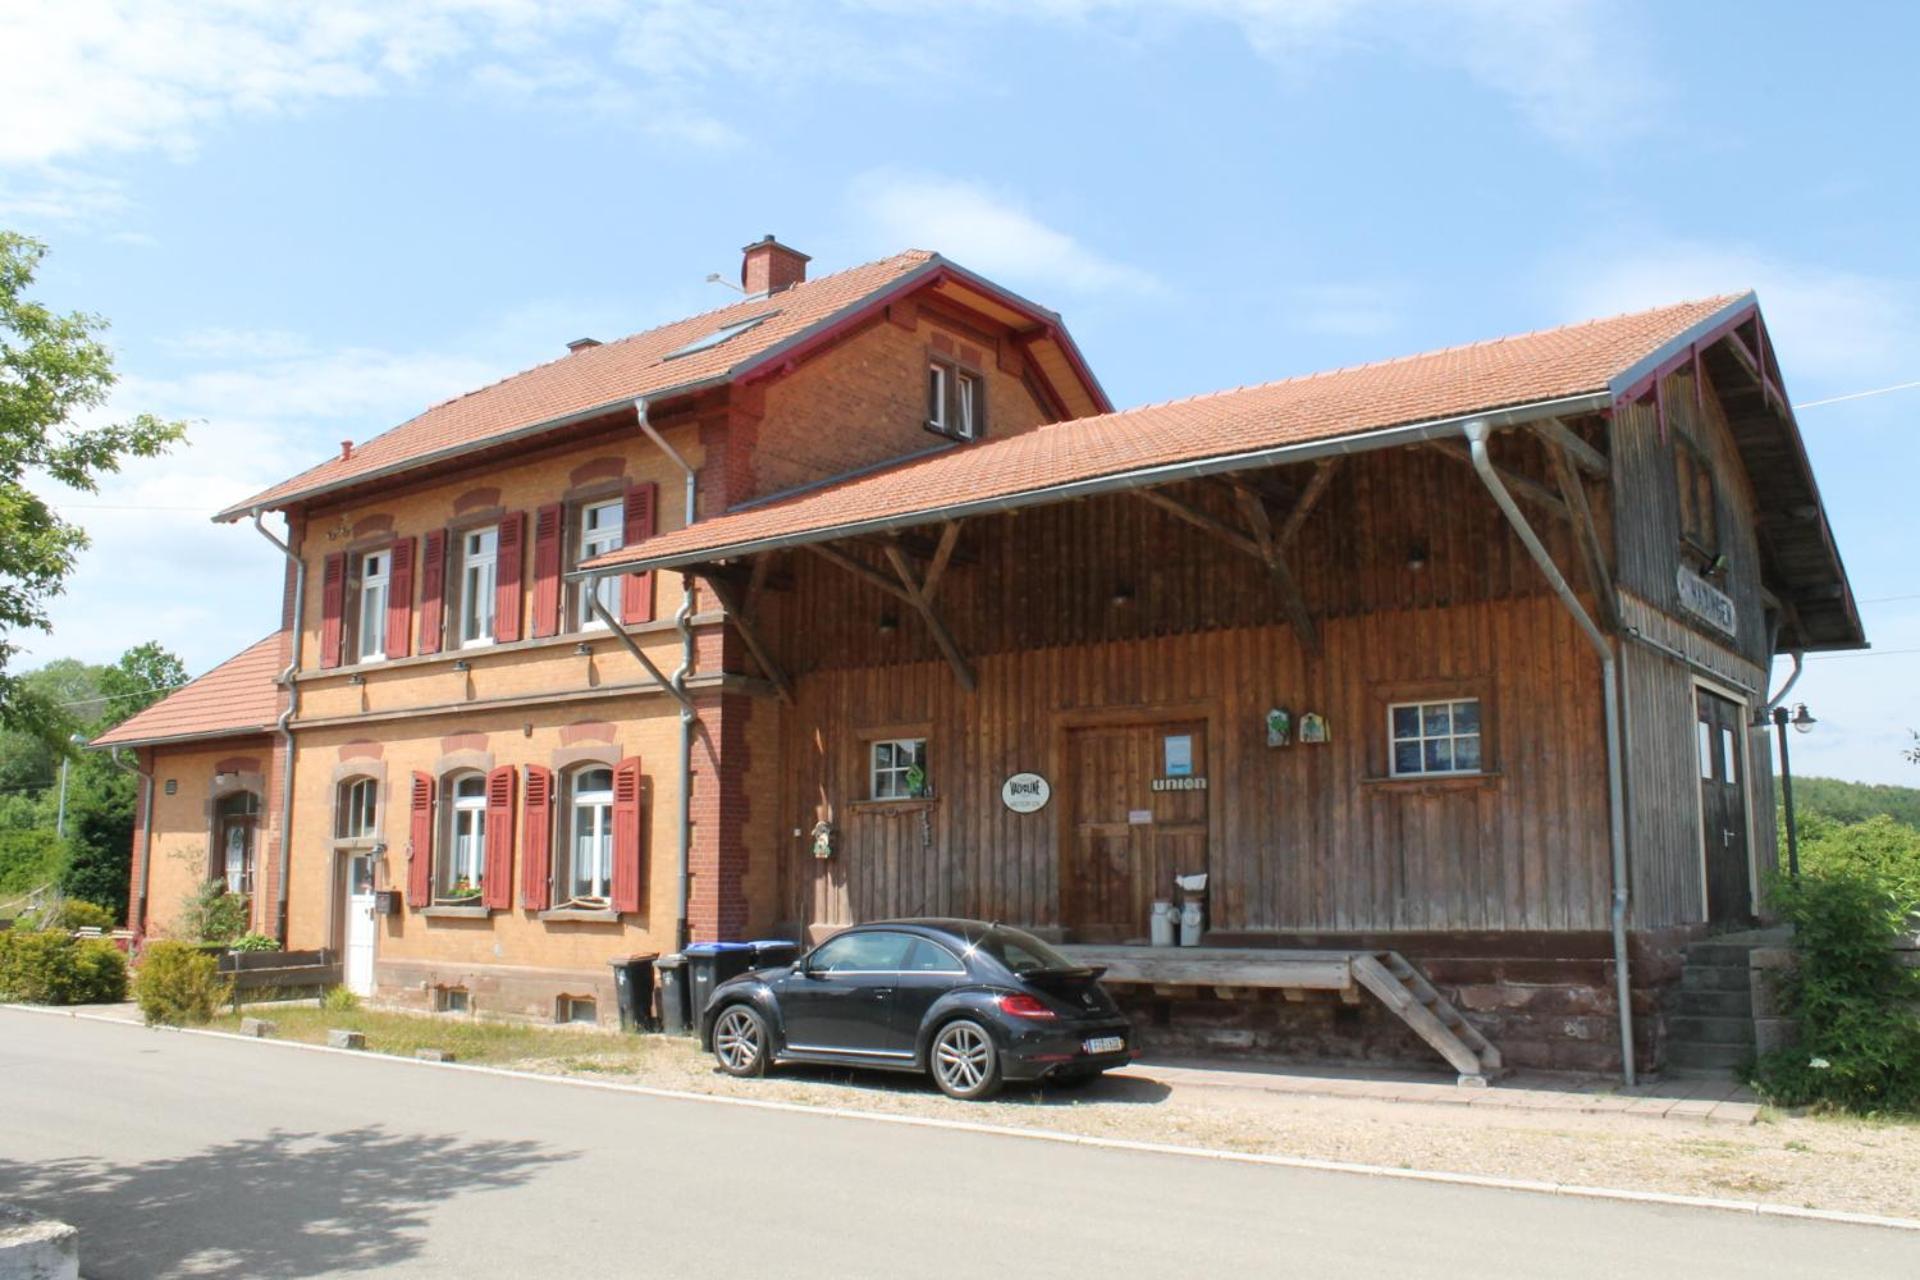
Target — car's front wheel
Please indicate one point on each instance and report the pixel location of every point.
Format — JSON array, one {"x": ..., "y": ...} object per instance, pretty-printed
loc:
[
  {"x": 740, "y": 1041},
  {"x": 965, "y": 1063}
]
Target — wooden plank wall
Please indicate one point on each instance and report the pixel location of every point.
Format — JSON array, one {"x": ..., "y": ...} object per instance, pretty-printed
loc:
[{"x": 1305, "y": 838}]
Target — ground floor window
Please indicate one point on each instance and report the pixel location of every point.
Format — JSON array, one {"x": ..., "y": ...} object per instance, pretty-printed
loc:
[
  {"x": 236, "y": 832},
  {"x": 577, "y": 1009},
  {"x": 451, "y": 1000},
  {"x": 465, "y": 864},
  {"x": 585, "y": 875},
  {"x": 899, "y": 769},
  {"x": 1435, "y": 737}
]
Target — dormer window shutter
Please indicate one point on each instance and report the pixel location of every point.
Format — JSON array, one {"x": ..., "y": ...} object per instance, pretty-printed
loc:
[
  {"x": 333, "y": 607},
  {"x": 420, "y": 843},
  {"x": 497, "y": 883},
  {"x": 627, "y": 812},
  {"x": 507, "y": 604},
  {"x": 433, "y": 589},
  {"x": 536, "y": 845},
  {"x": 636, "y": 589},
  {"x": 547, "y": 544},
  {"x": 400, "y": 600}
]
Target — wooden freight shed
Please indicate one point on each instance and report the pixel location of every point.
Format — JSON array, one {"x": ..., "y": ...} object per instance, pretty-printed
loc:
[{"x": 1450, "y": 668}]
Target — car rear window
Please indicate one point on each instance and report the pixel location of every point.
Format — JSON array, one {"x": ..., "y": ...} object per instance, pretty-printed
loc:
[{"x": 1019, "y": 951}]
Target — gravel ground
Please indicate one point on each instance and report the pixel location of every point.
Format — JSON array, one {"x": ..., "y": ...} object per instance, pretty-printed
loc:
[{"x": 1812, "y": 1161}]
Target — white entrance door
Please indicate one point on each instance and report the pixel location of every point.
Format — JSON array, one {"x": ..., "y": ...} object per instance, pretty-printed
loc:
[{"x": 359, "y": 967}]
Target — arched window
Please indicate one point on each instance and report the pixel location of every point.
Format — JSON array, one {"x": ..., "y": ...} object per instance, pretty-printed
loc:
[
  {"x": 236, "y": 832},
  {"x": 586, "y": 873},
  {"x": 356, "y": 810},
  {"x": 461, "y": 870}
]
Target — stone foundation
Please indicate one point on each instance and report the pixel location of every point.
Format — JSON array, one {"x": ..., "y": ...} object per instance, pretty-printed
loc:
[{"x": 513, "y": 992}]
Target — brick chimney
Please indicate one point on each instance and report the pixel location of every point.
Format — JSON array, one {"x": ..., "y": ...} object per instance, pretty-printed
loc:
[{"x": 769, "y": 266}]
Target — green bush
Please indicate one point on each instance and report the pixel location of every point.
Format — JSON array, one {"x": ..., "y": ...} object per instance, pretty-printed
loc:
[
  {"x": 1859, "y": 1046},
  {"x": 339, "y": 1000},
  {"x": 1878, "y": 848},
  {"x": 178, "y": 984},
  {"x": 29, "y": 859},
  {"x": 68, "y": 914},
  {"x": 211, "y": 914},
  {"x": 51, "y": 967},
  {"x": 255, "y": 942}
]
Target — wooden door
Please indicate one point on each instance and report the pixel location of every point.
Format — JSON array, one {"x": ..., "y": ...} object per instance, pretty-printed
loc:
[
  {"x": 1135, "y": 825},
  {"x": 1721, "y": 737}
]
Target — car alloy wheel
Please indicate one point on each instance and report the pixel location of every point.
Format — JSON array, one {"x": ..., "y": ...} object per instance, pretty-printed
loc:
[
  {"x": 965, "y": 1063},
  {"x": 740, "y": 1041}
]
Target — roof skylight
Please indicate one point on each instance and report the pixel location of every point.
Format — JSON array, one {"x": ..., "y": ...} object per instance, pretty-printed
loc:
[{"x": 718, "y": 336}]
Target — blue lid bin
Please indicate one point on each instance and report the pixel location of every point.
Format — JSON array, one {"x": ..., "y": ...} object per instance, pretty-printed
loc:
[{"x": 708, "y": 965}]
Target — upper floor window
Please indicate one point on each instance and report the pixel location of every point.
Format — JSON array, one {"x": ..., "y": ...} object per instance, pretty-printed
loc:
[
  {"x": 464, "y": 866},
  {"x": 1693, "y": 476},
  {"x": 479, "y": 573},
  {"x": 371, "y": 633},
  {"x": 956, "y": 401},
  {"x": 602, "y": 529},
  {"x": 355, "y": 812},
  {"x": 899, "y": 769},
  {"x": 1435, "y": 737}
]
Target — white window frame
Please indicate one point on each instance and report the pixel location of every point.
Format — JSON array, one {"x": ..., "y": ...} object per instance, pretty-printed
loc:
[
  {"x": 349, "y": 806},
  {"x": 479, "y": 578},
  {"x": 937, "y": 374},
  {"x": 1395, "y": 740},
  {"x": 889, "y": 782},
  {"x": 466, "y": 843},
  {"x": 566, "y": 1006},
  {"x": 591, "y": 542},
  {"x": 599, "y": 803},
  {"x": 967, "y": 388},
  {"x": 375, "y": 570}
]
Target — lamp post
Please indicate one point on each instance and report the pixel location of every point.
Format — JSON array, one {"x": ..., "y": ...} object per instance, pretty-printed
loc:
[
  {"x": 60, "y": 819},
  {"x": 1803, "y": 722}
]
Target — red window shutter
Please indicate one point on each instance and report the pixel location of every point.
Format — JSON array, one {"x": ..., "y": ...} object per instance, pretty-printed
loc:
[
  {"x": 636, "y": 589},
  {"x": 497, "y": 883},
  {"x": 536, "y": 845},
  {"x": 400, "y": 600},
  {"x": 420, "y": 843},
  {"x": 546, "y": 570},
  {"x": 626, "y": 834},
  {"x": 333, "y": 607},
  {"x": 506, "y": 600},
  {"x": 433, "y": 589}
]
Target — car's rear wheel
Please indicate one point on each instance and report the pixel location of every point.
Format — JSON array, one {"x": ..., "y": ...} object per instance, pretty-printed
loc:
[
  {"x": 740, "y": 1041},
  {"x": 964, "y": 1061}
]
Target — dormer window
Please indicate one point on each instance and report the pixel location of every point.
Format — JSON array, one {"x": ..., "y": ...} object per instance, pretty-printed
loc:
[{"x": 956, "y": 400}]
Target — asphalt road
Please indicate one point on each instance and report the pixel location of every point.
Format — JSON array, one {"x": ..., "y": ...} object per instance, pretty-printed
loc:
[{"x": 190, "y": 1155}]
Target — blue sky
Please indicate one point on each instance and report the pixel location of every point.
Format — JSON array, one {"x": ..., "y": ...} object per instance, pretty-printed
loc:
[{"x": 309, "y": 221}]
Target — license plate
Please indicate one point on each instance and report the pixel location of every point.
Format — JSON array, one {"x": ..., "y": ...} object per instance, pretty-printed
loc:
[{"x": 1104, "y": 1044}]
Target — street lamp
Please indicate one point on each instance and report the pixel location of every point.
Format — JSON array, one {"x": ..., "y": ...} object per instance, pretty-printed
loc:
[{"x": 1803, "y": 721}]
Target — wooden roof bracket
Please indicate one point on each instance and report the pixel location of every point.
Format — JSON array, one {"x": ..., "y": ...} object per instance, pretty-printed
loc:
[
  {"x": 1520, "y": 486},
  {"x": 1261, "y": 544},
  {"x": 920, "y": 592},
  {"x": 734, "y": 601},
  {"x": 1586, "y": 534}
]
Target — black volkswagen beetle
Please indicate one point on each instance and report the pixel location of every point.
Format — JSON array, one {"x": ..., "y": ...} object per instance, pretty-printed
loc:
[{"x": 973, "y": 1004}]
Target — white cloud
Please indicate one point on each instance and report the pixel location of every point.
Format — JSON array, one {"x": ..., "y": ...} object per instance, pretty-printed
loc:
[
  {"x": 986, "y": 231},
  {"x": 1837, "y": 330}
]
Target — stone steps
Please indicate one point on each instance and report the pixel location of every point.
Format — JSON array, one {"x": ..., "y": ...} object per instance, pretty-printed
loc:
[{"x": 1711, "y": 1027}]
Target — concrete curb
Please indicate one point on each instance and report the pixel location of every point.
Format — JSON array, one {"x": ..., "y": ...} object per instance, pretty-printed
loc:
[{"x": 1755, "y": 1208}]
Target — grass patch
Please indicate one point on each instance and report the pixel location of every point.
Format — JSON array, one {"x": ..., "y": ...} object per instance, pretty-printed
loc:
[{"x": 468, "y": 1039}]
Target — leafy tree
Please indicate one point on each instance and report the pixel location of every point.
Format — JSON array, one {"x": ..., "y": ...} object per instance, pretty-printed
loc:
[
  {"x": 1847, "y": 802},
  {"x": 54, "y": 370}
]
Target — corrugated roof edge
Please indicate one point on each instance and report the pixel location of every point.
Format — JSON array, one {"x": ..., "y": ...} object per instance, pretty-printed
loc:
[{"x": 916, "y": 278}]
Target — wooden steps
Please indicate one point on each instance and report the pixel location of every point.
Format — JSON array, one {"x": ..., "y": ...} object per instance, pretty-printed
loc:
[{"x": 1403, "y": 989}]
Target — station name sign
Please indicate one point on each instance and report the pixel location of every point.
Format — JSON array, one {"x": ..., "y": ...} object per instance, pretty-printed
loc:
[{"x": 1706, "y": 602}]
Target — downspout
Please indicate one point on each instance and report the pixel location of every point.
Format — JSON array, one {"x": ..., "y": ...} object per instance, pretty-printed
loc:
[
  {"x": 137, "y": 918},
  {"x": 1476, "y": 433},
  {"x": 284, "y": 726},
  {"x": 677, "y": 683},
  {"x": 1799, "y": 661}
]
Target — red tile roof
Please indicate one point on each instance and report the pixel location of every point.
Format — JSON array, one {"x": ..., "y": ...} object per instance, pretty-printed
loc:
[
  {"x": 600, "y": 377},
  {"x": 237, "y": 697},
  {"x": 1552, "y": 364}
]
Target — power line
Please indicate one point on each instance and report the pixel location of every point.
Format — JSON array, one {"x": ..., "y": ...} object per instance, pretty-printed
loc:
[
  {"x": 1859, "y": 653},
  {"x": 1888, "y": 599},
  {"x": 1858, "y": 395}
]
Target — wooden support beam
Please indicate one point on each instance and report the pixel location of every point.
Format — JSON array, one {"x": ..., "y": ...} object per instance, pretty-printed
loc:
[
  {"x": 1309, "y": 498},
  {"x": 1292, "y": 599},
  {"x": 942, "y": 556},
  {"x": 866, "y": 573},
  {"x": 1588, "y": 458},
  {"x": 1201, "y": 520},
  {"x": 733, "y": 600},
  {"x": 1593, "y": 556},
  {"x": 916, "y": 595},
  {"x": 757, "y": 580},
  {"x": 1520, "y": 486}
]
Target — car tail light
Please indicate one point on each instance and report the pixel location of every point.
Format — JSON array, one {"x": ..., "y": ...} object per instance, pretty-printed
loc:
[{"x": 1021, "y": 1006}]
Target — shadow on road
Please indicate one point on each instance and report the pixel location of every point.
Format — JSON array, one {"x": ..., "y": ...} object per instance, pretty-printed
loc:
[{"x": 283, "y": 1204}]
